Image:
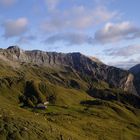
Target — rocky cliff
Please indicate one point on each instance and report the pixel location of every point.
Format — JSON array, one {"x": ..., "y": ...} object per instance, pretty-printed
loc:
[{"x": 84, "y": 66}]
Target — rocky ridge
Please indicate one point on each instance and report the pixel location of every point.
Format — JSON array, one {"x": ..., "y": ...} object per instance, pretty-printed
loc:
[{"x": 83, "y": 65}]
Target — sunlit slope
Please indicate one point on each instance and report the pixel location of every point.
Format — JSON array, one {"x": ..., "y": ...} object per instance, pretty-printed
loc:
[
  {"x": 80, "y": 106},
  {"x": 106, "y": 120}
]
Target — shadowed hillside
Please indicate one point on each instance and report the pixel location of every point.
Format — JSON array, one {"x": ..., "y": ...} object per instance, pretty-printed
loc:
[{"x": 87, "y": 99}]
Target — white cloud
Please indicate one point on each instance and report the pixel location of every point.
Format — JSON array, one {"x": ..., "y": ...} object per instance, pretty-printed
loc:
[
  {"x": 26, "y": 39},
  {"x": 124, "y": 51},
  {"x": 51, "y": 4},
  {"x": 116, "y": 32},
  {"x": 77, "y": 18},
  {"x": 13, "y": 28},
  {"x": 7, "y": 2},
  {"x": 69, "y": 39},
  {"x": 103, "y": 2},
  {"x": 89, "y": 17},
  {"x": 127, "y": 64}
]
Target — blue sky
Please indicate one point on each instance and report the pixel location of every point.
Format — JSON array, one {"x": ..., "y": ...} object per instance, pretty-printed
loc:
[{"x": 106, "y": 29}]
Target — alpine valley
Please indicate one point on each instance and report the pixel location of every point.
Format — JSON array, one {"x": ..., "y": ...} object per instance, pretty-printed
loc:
[{"x": 58, "y": 96}]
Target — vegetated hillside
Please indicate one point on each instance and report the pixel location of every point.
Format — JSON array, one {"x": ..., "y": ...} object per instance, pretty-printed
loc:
[{"x": 87, "y": 99}]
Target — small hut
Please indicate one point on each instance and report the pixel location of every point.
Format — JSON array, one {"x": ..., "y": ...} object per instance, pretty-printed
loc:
[{"x": 41, "y": 106}]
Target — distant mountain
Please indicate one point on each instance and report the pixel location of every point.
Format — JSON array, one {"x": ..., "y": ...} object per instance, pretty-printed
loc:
[
  {"x": 136, "y": 69},
  {"x": 136, "y": 72},
  {"x": 84, "y": 66}
]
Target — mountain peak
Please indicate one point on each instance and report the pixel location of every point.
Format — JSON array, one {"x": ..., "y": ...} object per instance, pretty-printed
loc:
[
  {"x": 95, "y": 59},
  {"x": 135, "y": 69},
  {"x": 13, "y": 47}
]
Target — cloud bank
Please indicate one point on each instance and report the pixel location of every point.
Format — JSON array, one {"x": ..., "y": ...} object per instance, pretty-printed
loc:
[
  {"x": 51, "y": 4},
  {"x": 116, "y": 32},
  {"x": 124, "y": 51},
  {"x": 69, "y": 39},
  {"x": 15, "y": 28},
  {"x": 7, "y": 2},
  {"x": 76, "y": 18}
]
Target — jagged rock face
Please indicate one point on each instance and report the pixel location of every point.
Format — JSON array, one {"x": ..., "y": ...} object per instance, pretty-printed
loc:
[
  {"x": 82, "y": 64},
  {"x": 129, "y": 85},
  {"x": 136, "y": 72}
]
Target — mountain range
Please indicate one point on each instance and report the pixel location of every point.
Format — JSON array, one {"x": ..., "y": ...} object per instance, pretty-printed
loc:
[{"x": 81, "y": 91}]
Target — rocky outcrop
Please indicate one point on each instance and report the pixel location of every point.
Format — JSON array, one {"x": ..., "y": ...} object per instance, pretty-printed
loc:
[
  {"x": 85, "y": 66},
  {"x": 129, "y": 85}
]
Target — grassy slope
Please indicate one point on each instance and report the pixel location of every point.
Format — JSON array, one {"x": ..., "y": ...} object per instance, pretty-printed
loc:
[{"x": 67, "y": 119}]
